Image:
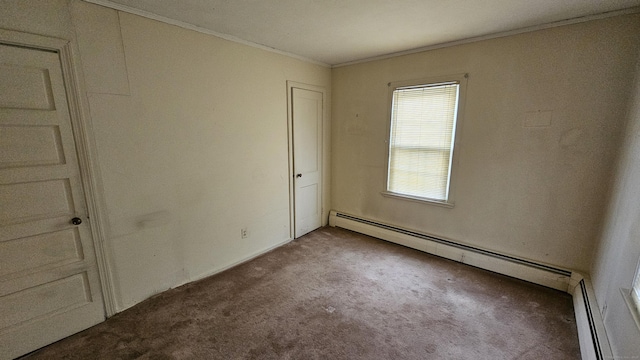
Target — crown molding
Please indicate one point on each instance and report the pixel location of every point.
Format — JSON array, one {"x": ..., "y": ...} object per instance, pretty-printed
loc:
[
  {"x": 184, "y": 25},
  {"x": 571, "y": 21}
]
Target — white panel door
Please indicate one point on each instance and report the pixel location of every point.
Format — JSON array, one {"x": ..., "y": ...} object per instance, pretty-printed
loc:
[
  {"x": 49, "y": 284},
  {"x": 307, "y": 159}
]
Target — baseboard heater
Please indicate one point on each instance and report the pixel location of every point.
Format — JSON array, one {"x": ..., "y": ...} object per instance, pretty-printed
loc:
[
  {"x": 593, "y": 340},
  {"x": 594, "y": 344},
  {"x": 490, "y": 260}
]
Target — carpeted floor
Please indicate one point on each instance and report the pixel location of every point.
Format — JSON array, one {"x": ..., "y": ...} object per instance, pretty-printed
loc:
[{"x": 335, "y": 294}]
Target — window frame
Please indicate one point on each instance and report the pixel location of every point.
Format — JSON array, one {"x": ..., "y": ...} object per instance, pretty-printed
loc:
[
  {"x": 461, "y": 79},
  {"x": 635, "y": 288},
  {"x": 632, "y": 296}
]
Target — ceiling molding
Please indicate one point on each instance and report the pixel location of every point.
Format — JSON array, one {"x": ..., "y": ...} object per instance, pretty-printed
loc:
[
  {"x": 184, "y": 25},
  {"x": 576, "y": 20}
]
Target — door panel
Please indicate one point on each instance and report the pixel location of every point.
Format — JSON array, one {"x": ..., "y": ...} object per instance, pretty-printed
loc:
[
  {"x": 307, "y": 159},
  {"x": 49, "y": 285},
  {"x": 55, "y": 248},
  {"x": 25, "y": 201},
  {"x": 29, "y": 304},
  {"x": 24, "y": 87},
  {"x": 30, "y": 146}
]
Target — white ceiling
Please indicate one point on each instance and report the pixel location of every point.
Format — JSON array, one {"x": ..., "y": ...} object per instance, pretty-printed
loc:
[{"x": 339, "y": 31}]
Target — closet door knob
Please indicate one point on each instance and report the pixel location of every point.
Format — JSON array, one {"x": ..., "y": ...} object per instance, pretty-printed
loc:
[
  {"x": 299, "y": 175},
  {"x": 76, "y": 221}
]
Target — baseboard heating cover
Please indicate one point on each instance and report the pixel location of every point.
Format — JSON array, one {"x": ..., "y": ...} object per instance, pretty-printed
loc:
[
  {"x": 594, "y": 344},
  {"x": 537, "y": 273}
]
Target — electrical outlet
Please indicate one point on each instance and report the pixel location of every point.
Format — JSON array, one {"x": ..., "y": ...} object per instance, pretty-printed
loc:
[{"x": 244, "y": 233}]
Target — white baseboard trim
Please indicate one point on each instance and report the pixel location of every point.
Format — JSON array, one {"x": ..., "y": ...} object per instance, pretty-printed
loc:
[
  {"x": 211, "y": 272},
  {"x": 523, "y": 269},
  {"x": 594, "y": 344},
  {"x": 235, "y": 263}
]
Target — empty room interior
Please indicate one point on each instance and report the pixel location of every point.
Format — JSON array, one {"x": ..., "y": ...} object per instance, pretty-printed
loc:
[{"x": 320, "y": 179}]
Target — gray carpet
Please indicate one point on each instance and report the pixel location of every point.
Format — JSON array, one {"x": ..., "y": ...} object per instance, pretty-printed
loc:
[{"x": 335, "y": 294}]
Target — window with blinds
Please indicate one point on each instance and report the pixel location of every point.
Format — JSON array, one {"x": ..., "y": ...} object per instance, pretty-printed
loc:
[{"x": 422, "y": 134}]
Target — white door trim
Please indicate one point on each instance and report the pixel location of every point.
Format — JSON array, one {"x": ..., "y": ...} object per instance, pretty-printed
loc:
[
  {"x": 320, "y": 89},
  {"x": 84, "y": 146}
]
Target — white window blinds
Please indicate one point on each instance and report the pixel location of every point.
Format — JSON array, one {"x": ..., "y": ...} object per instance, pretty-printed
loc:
[{"x": 423, "y": 122}]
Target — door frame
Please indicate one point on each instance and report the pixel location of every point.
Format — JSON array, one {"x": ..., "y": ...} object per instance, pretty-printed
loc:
[
  {"x": 85, "y": 148},
  {"x": 320, "y": 89}
]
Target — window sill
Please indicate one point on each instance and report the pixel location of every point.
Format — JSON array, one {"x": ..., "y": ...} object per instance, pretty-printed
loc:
[
  {"x": 418, "y": 199},
  {"x": 635, "y": 312}
]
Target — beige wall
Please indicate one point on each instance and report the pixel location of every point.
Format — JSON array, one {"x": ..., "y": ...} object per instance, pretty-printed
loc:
[
  {"x": 190, "y": 135},
  {"x": 50, "y": 18},
  {"x": 617, "y": 257},
  {"x": 197, "y": 152},
  {"x": 536, "y": 193}
]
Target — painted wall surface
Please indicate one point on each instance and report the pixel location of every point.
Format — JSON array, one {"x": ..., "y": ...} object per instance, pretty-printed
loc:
[
  {"x": 533, "y": 192},
  {"x": 50, "y": 18},
  {"x": 190, "y": 136},
  {"x": 617, "y": 257},
  {"x": 197, "y": 152}
]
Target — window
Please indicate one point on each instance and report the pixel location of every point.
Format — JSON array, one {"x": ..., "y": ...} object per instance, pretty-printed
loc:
[
  {"x": 632, "y": 297},
  {"x": 635, "y": 290},
  {"x": 424, "y": 117}
]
